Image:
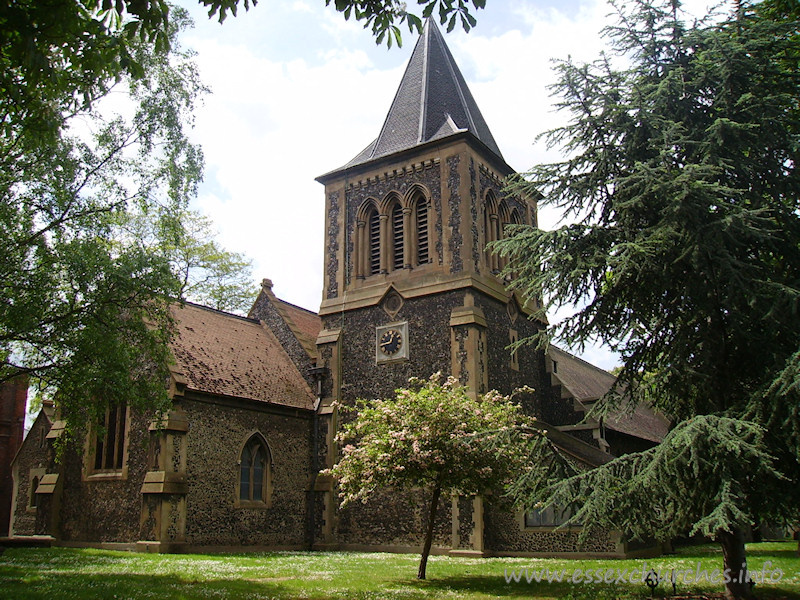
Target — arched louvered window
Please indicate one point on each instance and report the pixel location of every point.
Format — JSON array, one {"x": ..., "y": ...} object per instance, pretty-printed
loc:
[
  {"x": 373, "y": 242},
  {"x": 396, "y": 217},
  {"x": 513, "y": 219},
  {"x": 491, "y": 228},
  {"x": 504, "y": 219},
  {"x": 255, "y": 477},
  {"x": 421, "y": 222}
]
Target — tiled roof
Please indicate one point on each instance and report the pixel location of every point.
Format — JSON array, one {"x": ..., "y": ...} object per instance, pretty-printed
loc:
[
  {"x": 432, "y": 102},
  {"x": 304, "y": 323},
  {"x": 307, "y": 321},
  {"x": 221, "y": 353},
  {"x": 571, "y": 445},
  {"x": 583, "y": 380},
  {"x": 588, "y": 383},
  {"x": 642, "y": 423}
]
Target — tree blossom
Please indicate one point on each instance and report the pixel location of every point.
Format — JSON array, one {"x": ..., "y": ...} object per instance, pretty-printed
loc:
[{"x": 433, "y": 435}]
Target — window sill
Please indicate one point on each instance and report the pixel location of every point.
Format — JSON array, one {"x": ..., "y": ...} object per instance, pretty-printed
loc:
[
  {"x": 107, "y": 476},
  {"x": 252, "y": 504}
]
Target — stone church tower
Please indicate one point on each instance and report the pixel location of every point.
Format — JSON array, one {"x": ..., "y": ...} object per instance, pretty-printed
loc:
[{"x": 409, "y": 288}]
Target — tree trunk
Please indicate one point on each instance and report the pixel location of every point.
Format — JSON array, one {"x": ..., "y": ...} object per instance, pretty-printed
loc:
[
  {"x": 426, "y": 547},
  {"x": 735, "y": 562}
]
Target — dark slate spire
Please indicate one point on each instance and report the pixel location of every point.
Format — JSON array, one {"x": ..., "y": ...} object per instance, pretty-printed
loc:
[{"x": 432, "y": 102}]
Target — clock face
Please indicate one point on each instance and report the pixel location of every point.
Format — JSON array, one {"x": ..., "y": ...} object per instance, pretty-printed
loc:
[{"x": 390, "y": 342}]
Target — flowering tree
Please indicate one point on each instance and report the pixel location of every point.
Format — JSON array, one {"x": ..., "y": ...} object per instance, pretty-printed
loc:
[{"x": 432, "y": 435}]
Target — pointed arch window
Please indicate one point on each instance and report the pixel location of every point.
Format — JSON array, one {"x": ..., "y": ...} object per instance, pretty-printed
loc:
[
  {"x": 421, "y": 219},
  {"x": 373, "y": 253},
  {"x": 396, "y": 225},
  {"x": 491, "y": 228},
  {"x": 255, "y": 473}
]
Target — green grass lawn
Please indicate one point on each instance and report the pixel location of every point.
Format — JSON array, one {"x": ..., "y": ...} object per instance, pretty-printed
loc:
[{"x": 58, "y": 573}]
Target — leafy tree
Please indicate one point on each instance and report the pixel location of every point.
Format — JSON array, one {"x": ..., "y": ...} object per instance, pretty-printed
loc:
[
  {"x": 57, "y": 55},
  {"x": 94, "y": 102},
  {"x": 381, "y": 15},
  {"x": 436, "y": 436},
  {"x": 682, "y": 173},
  {"x": 84, "y": 307},
  {"x": 207, "y": 273}
]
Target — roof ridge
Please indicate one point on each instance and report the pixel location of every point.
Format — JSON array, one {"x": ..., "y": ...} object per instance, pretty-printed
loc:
[
  {"x": 450, "y": 63},
  {"x": 300, "y": 335},
  {"x": 425, "y": 75},
  {"x": 308, "y": 310},
  {"x": 586, "y": 362},
  {"x": 182, "y": 303}
]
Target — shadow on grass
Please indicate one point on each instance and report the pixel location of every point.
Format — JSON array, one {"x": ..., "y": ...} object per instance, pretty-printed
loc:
[
  {"x": 753, "y": 552},
  {"x": 496, "y": 586},
  {"x": 22, "y": 584}
]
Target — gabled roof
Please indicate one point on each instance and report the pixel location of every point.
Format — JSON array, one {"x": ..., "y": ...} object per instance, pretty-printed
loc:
[
  {"x": 303, "y": 323},
  {"x": 308, "y": 322},
  {"x": 224, "y": 354},
  {"x": 588, "y": 383},
  {"x": 583, "y": 380},
  {"x": 432, "y": 102}
]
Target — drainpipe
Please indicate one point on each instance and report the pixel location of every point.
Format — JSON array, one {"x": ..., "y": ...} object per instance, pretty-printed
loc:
[{"x": 318, "y": 374}]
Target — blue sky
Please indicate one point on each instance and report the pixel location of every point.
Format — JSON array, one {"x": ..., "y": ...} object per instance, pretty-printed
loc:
[{"x": 297, "y": 91}]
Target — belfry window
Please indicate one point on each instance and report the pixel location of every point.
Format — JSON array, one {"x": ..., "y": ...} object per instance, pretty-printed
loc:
[
  {"x": 374, "y": 243},
  {"x": 255, "y": 473},
  {"x": 491, "y": 228},
  {"x": 506, "y": 219},
  {"x": 394, "y": 237},
  {"x": 421, "y": 222},
  {"x": 397, "y": 236}
]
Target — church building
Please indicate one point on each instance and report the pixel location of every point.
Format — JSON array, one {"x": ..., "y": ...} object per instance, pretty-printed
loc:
[{"x": 409, "y": 290}]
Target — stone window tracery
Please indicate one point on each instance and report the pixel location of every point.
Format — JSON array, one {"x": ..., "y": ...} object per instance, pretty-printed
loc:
[
  {"x": 393, "y": 237},
  {"x": 421, "y": 238},
  {"x": 255, "y": 473},
  {"x": 397, "y": 236}
]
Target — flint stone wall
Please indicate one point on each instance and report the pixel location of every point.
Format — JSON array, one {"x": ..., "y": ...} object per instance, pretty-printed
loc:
[{"x": 214, "y": 442}]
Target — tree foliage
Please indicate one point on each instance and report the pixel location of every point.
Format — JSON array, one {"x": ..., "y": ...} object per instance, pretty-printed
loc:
[
  {"x": 86, "y": 145},
  {"x": 681, "y": 171},
  {"x": 695, "y": 482},
  {"x": 206, "y": 272},
  {"x": 84, "y": 309},
  {"x": 435, "y": 436},
  {"x": 381, "y": 15}
]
